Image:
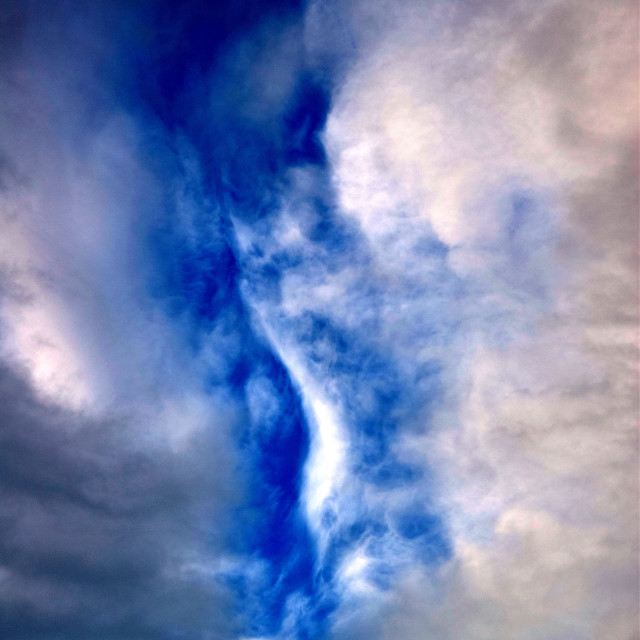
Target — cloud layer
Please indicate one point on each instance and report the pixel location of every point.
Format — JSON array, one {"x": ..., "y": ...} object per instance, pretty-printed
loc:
[{"x": 319, "y": 321}]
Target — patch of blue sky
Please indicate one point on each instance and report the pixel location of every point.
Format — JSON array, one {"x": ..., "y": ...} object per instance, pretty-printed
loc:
[
  {"x": 201, "y": 291},
  {"x": 376, "y": 403},
  {"x": 256, "y": 157},
  {"x": 228, "y": 164},
  {"x": 377, "y": 400},
  {"x": 380, "y": 391}
]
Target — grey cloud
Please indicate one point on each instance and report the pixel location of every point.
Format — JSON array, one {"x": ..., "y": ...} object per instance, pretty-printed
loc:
[
  {"x": 111, "y": 520},
  {"x": 98, "y": 539}
]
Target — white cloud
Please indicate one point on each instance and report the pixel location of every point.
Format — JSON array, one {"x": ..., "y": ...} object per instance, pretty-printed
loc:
[
  {"x": 430, "y": 116},
  {"x": 535, "y": 445}
]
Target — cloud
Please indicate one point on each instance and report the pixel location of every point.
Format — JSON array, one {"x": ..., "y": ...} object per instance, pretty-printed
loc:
[
  {"x": 497, "y": 131},
  {"x": 118, "y": 462},
  {"x": 319, "y": 323},
  {"x": 103, "y": 538}
]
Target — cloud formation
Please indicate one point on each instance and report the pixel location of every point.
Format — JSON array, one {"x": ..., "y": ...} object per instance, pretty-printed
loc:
[
  {"x": 117, "y": 469},
  {"x": 319, "y": 321},
  {"x": 500, "y": 132}
]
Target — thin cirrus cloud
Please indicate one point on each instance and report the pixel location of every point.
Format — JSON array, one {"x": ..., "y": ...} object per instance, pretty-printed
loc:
[{"x": 319, "y": 320}]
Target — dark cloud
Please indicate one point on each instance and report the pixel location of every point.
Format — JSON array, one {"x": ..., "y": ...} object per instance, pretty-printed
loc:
[
  {"x": 13, "y": 20},
  {"x": 98, "y": 539}
]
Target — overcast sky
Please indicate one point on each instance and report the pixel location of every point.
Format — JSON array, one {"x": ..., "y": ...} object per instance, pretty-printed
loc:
[{"x": 319, "y": 321}]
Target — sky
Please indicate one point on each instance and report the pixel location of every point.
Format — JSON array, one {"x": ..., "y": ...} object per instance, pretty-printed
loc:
[{"x": 319, "y": 320}]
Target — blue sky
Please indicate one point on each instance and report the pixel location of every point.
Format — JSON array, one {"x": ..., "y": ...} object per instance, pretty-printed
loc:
[{"x": 318, "y": 320}]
